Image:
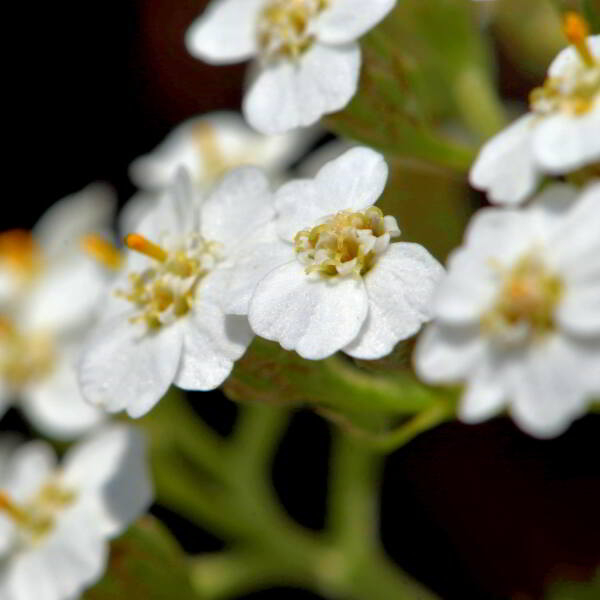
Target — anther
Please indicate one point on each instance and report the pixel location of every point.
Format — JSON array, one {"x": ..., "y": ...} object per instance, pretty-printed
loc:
[
  {"x": 101, "y": 250},
  {"x": 11, "y": 509},
  {"x": 140, "y": 244},
  {"x": 576, "y": 31}
]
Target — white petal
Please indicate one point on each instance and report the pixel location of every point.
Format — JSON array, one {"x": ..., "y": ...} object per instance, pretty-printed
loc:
[
  {"x": 563, "y": 143},
  {"x": 55, "y": 406},
  {"x": 66, "y": 295},
  {"x": 354, "y": 181},
  {"x": 347, "y": 20},
  {"x": 311, "y": 315},
  {"x": 28, "y": 469},
  {"x": 569, "y": 57},
  {"x": 251, "y": 263},
  {"x": 226, "y": 32},
  {"x": 505, "y": 166},
  {"x": 484, "y": 395},
  {"x": 241, "y": 203},
  {"x": 211, "y": 344},
  {"x": 123, "y": 366},
  {"x": 60, "y": 228},
  {"x": 287, "y": 95},
  {"x": 109, "y": 469},
  {"x": 400, "y": 287},
  {"x": 447, "y": 354},
  {"x": 579, "y": 311},
  {"x": 547, "y": 392}
]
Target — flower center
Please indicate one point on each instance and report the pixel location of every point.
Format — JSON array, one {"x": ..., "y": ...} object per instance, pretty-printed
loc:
[
  {"x": 524, "y": 307},
  {"x": 347, "y": 242},
  {"x": 165, "y": 291},
  {"x": 577, "y": 90},
  {"x": 36, "y": 518},
  {"x": 284, "y": 26},
  {"x": 19, "y": 252},
  {"x": 24, "y": 358}
]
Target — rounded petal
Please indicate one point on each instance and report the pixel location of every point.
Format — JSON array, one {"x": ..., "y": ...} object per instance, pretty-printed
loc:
[
  {"x": 346, "y": 20},
  {"x": 562, "y": 143},
  {"x": 109, "y": 469},
  {"x": 505, "y": 167},
  {"x": 483, "y": 397},
  {"x": 211, "y": 344},
  {"x": 311, "y": 315},
  {"x": 447, "y": 354},
  {"x": 124, "y": 366},
  {"x": 354, "y": 181},
  {"x": 290, "y": 94},
  {"x": 226, "y": 32},
  {"x": 241, "y": 203},
  {"x": 55, "y": 406},
  {"x": 400, "y": 288},
  {"x": 569, "y": 57}
]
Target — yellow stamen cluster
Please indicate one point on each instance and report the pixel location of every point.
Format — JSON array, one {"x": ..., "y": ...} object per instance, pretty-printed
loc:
[
  {"x": 577, "y": 90},
  {"x": 36, "y": 517},
  {"x": 24, "y": 358},
  {"x": 165, "y": 291},
  {"x": 345, "y": 243},
  {"x": 19, "y": 252},
  {"x": 284, "y": 26},
  {"x": 525, "y": 305}
]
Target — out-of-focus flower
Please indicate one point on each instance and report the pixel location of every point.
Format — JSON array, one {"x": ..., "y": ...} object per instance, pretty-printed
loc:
[
  {"x": 309, "y": 58},
  {"x": 55, "y": 521},
  {"x": 210, "y": 145},
  {"x": 518, "y": 316},
  {"x": 560, "y": 134},
  {"x": 164, "y": 322},
  {"x": 337, "y": 282},
  {"x": 53, "y": 291}
]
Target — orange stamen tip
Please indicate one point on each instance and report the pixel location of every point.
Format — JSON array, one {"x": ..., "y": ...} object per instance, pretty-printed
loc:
[
  {"x": 101, "y": 250},
  {"x": 575, "y": 27},
  {"x": 139, "y": 243}
]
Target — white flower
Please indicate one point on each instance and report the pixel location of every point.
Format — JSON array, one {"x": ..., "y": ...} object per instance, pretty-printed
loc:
[
  {"x": 55, "y": 521},
  {"x": 210, "y": 145},
  {"x": 560, "y": 134},
  {"x": 335, "y": 281},
  {"x": 54, "y": 292},
  {"x": 518, "y": 316},
  {"x": 163, "y": 322},
  {"x": 309, "y": 57}
]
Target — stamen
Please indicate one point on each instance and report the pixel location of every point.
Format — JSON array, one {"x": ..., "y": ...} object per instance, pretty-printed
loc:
[
  {"x": 11, "y": 509},
  {"x": 140, "y": 244},
  {"x": 102, "y": 251},
  {"x": 576, "y": 31},
  {"x": 19, "y": 250}
]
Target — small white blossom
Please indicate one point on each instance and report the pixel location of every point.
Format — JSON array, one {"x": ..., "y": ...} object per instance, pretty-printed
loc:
[
  {"x": 335, "y": 281},
  {"x": 210, "y": 145},
  {"x": 561, "y": 133},
  {"x": 54, "y": 291},
  {"x": 518, "y": 315},
  {"x": 55, "y": 521},
  {"x": 309, "y": 59},
  {"x": 163, "y": 321}
]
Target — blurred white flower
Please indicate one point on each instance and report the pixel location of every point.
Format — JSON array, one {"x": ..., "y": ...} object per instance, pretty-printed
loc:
[
  {"x": 560, "y": 134},
  {"x": 337, "y": 283},
  {"x": 210, "y": 145},
  {"x": 309, "y": 57},
  {"x": 163, "y": 322},
  {"x": 518, "y": 315},
  {"x": 55, "y": 521},
  {"x": 53, "y": 292}
]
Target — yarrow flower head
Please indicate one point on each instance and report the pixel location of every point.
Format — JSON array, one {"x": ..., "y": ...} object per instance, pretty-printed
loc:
[
  {"x": 335, "y": 280},
  {"x": 55, "y": 521},
  {"x": 518, "y": 315},
  {"x": 163, "y": 321},
  {"x": 51, "y": 291},
  {"x": 558, "y": 135},
  {"x": 309, "y": 59}
]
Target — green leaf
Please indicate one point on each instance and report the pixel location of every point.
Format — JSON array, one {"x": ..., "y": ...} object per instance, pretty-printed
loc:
[
  {"x": 591, "y": 11},
  {"x": 146, "y": 562},
  {"x": 575, "y": 590}
]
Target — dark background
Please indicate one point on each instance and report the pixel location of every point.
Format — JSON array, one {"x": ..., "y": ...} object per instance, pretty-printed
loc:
[{"x": 474, "y": 512}]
